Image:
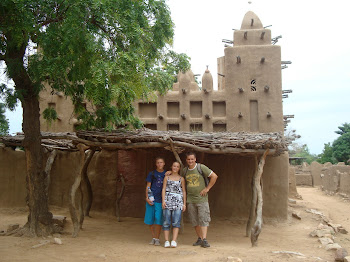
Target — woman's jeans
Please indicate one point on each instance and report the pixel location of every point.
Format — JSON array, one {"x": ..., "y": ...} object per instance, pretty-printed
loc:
[{"x": 171, "y": 217}]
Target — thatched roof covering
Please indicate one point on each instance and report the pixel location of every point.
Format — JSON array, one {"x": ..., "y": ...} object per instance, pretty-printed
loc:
[{"x": 214, "y": 143}]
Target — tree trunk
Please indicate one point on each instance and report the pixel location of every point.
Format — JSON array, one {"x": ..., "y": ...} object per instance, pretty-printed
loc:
[{"x": 39, "y": 219}]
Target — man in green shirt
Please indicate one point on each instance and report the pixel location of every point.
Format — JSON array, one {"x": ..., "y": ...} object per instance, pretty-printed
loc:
[{"x": 197, "y": 196}]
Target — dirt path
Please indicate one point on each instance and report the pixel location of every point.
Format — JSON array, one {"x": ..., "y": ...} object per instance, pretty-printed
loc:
[
  {"x": 334, "y": 207},
  {"x": 104, "y": 239}
]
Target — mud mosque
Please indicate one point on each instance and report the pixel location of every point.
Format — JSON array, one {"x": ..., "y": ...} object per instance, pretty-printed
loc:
[{"x": 248, "y": 99}]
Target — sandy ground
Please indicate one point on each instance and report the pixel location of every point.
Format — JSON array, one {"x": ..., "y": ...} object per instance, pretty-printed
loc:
[{"x": 105, "y": 239}]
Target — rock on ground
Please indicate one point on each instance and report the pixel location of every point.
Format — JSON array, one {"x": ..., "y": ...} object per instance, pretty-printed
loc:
[
  {"x": 340, "y": 254},
  {"x": 296, "y": 215},
  {"x": 334, "y": 246},
  {"x": 321, "y": 232},
  {"x": 59, "y": 220},
  {"x": 325, "y": 241},
  {"x": 233, "y": 259},
  {"x": 292, "y": 201},
  {"x": 342, "y": 230},
  {"x": 12, "y": 227},
  {"x": 57, "y": 241}
]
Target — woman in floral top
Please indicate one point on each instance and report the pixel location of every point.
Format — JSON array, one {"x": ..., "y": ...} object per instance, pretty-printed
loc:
[{"x": 174, "y": 203}]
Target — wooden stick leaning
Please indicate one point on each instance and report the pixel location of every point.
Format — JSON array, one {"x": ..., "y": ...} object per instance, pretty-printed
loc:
[
  {"x": 76, "y": 185},
  {"x": 256, "y": 229},
  {"x": 253, "y": 201},
  {"x": 86, "y": 182},
  {"x": 48, "y": 167}
]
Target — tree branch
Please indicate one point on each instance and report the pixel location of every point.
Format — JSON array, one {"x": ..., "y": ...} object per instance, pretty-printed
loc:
[
  {"x": 98, "y": 25},
  {"x": 55, "y": 20}
]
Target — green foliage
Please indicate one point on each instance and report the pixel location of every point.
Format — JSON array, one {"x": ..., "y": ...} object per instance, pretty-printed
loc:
[
  {"x": 9, "y": 96},
  {"x": 339, "y": 151},
  {"x": 327, "y": 155},
  {"x": 341, "y": 146},
  {"x": 50, "y": 114},
  {"x": 345, "y": 128},
  {"x": 297, "y": 150},
  {"x": 107, "y": 52},
  {"x": 4, "y": 124}
]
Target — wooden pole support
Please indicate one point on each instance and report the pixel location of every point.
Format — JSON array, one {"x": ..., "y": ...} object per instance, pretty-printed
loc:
[
  {"x": 256, "y": 229},
  {"x": 76, "y": 185},
  {"x": 253, "y": 201},
  {"x": 49, "y": 163},
  {"x": 86, "y": 182}
]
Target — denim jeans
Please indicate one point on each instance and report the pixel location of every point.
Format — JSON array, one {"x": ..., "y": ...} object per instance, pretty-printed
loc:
[{"x": 171, "y": 217}]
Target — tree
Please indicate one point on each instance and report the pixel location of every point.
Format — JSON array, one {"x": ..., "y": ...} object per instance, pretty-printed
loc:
[
  {"x": 341, "y": 146},
  {"x": 297, "y": 150},
  {"x": 109, "y": 52},
  {"x": 345, "y": 128},
  {"x": 327, "y": 155},
  {"x": 4, "y": 124}
]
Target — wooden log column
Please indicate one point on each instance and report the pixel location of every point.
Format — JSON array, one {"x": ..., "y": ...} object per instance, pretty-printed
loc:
[
  {"x": 254, "y": 199},
  {"x": 86, "y": 182},
  {"x": 76, "y": 185},
  {"x": 256, "y": 229},
  {"x": 48, "y": 167}
]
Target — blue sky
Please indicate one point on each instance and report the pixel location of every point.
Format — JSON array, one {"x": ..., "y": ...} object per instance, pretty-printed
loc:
[{"x": 315, "y": 37}]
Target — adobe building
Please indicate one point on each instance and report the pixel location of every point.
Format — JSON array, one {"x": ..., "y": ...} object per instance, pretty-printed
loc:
[
  {"x": 331, "y": 178},
  {"x": 248, "y": 99},
  {"x": 249, "y": 95}
]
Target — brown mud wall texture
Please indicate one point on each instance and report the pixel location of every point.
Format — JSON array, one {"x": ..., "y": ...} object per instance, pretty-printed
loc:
[
  {"x": 292, "y": 183},
  {"x": 230, "y": 197},
  {"x": 12, "y": 178},
  {"x": 332, "y": 178}
]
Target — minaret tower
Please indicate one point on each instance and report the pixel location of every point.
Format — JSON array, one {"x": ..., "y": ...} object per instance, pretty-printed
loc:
[{"x": 252, "y": 75}]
